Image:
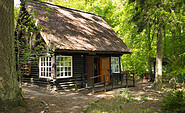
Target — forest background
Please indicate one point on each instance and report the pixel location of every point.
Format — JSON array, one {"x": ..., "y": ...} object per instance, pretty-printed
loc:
[{"x": 137, "y": 24}]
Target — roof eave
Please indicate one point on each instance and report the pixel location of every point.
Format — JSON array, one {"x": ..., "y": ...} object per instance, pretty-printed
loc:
[{"x": 91, "y": 52}]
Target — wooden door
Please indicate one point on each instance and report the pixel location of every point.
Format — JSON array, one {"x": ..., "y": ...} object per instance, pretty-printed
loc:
[
  {"x": 89, "y": 68},
  {"x": 104, "y": 68}
]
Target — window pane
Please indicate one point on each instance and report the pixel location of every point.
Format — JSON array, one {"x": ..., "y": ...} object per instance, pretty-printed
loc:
[
  {"x": 66, "y": 74},
  {"x": 69, "y": 73},
  {"x": 61, "y": 63},
  {"x": 41, "y": 73},
  {"x": 61, "y": 74},
  {"x": 42, "y": 64},
  {"x": 57, "y": 64},
  {"x": 65, "y": 69},
  {"x": 69, "y": 69},
  {"x": 62, "y": 68},
  {"x": 65, "y": 58},
  {"x": 62, "y": 58},
  {"x": 69, "y": 63},
  {"x": 65, "y": 63},
  {"x": 57, "y": 58},
  {"x": 58, "y": 74},
  {"x": 69, "y": 59},
  {"x": 58, "y": 69},
  {"x": 116, "y": 60}
]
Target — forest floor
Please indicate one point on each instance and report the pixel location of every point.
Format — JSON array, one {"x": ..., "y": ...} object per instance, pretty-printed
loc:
[{"x": 43, "y": 101}]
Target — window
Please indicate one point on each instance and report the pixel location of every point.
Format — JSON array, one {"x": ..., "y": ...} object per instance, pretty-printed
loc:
[
  {"x": 64, "y": 66},
  {"x": 115, "y": 64},
  {"x": 26, "y": 68},
  {"x": 45, "y": 67}
]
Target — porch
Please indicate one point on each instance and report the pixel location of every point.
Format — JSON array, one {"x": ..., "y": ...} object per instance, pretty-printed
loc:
[{"x": 118, "y": 80}]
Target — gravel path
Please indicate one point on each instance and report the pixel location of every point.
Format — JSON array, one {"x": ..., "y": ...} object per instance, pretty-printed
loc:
[
  {"x": 65, "y": 101},
  {"x": 74, "y": 102}
]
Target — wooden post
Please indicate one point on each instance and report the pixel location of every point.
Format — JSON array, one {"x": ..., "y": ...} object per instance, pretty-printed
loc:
[
  {"x": 85, "y": 76},
  {"x": 112, "y": 80},
  {"x": 82, "y": 80},
  {"x": 104, "y": 84},
  {"x": 76, "y": 87},
  {"x": 126, "y": 80},
  {"x": 133, "y": 80},
  {"x": 121, "y": 77},
  {"x": 93, "y": 85}
]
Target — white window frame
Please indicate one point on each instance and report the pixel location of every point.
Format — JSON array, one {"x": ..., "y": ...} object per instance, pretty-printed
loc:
[
  {"x": 46, "y": 67},
  {"x": 63, "y": 71},
  {"x": 115, "y": 65}
]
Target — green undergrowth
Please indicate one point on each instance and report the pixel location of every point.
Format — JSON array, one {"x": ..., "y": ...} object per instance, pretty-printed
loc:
[
  {"x": 174, "y": 102},
  {"x": 124, "y": 102}
]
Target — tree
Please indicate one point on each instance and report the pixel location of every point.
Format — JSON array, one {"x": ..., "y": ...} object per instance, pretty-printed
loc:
[{"x": 9, "y": 87}]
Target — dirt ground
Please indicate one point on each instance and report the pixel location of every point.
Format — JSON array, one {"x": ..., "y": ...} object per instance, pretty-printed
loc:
[{"x": 43, "y": 101}]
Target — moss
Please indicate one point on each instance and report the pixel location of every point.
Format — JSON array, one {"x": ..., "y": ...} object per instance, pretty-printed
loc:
[{"x": 6, "y": 104}]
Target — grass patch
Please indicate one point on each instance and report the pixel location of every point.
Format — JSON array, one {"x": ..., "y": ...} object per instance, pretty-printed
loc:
[{"x": 124, "y": 102}]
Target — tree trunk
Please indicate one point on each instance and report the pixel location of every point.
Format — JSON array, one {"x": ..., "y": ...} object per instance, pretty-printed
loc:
[
  {"x": 9, "y": 88},
  {"x": 158, "y": 75},
  {"x": 149, "y": 51}
]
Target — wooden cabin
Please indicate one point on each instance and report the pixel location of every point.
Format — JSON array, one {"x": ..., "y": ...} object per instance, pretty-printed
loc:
[{"x": 84, "y": 45}]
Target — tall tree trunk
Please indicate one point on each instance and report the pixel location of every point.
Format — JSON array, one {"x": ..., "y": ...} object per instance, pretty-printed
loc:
[
  {"x": 158, "y": 75},
  {"x": 149, "y": 51},
  {"x": 164, "y": 35},
  {"x": 9, "y": 88}
]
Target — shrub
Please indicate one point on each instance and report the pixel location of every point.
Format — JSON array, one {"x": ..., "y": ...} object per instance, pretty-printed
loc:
[
  {"x": 174, "y": 102},
  {"x": 124, "y": 97}
]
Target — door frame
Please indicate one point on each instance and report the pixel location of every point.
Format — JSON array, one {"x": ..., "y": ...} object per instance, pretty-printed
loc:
[{"x": 91, "y": 68}]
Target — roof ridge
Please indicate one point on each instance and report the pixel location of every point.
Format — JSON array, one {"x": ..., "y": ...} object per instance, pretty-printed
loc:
[{"x": 72, "y": 9}]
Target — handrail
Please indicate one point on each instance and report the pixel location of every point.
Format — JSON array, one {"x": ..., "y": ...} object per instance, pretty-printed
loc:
[
  {"x": 98, "y": 76},
  {"x": 119, "y": 78}
]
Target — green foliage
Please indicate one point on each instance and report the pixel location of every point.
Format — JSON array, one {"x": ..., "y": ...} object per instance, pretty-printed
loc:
[
  {"x": 16, "y": 13},
  {"x": 123, "y": 97},
  {"x": 174, "y": 102},
  {"x": 135, "y": 21},
  {"x": 123, "y": 102},
  {"x": 28, "y": 43}
]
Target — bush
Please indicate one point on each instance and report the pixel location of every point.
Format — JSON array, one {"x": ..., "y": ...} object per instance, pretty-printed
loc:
[
  {"x": 174, "y": 102},
  {"x": 124, "y": 97}
]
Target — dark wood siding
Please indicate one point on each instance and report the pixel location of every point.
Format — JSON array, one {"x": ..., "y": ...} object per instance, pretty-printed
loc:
[
  {"x": 79, "y": 78},
  {"x": 78, "y": 73},
  {"x": 78, "y": 64},
  {"x": 33, "y": 78}
]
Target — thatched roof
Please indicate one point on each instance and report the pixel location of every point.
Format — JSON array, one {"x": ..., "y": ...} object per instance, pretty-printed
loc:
[{"x": 73, "y": 30}]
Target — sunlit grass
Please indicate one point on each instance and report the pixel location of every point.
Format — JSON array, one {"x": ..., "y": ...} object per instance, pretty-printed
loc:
[{"x": 124, "y": 103}]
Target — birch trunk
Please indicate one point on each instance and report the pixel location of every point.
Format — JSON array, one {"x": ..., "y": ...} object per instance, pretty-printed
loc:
[{"x": 158, "y": 75}]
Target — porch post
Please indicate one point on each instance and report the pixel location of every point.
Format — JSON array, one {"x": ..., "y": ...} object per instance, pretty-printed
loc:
[
  {"x": 133, "y": 79},
  {"x": 104, "y": 83},
  {"x": 53, "y": 73},
  {"x": 126, "y": 80}
]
